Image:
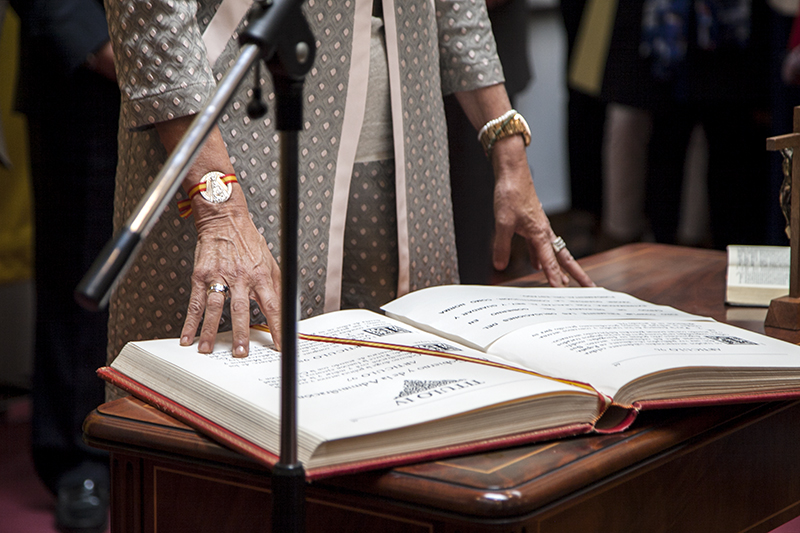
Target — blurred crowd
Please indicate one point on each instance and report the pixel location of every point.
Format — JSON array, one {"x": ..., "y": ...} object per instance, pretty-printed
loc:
[{"x": 670, "y": 104}]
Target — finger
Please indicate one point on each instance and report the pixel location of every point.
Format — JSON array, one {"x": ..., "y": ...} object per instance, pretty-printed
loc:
[
  {"x": 574, "y": 269},
  {"x": 564, "y": 257},
  {"x": 269, "y": 303},
  {"x": 275, "y": 315},
  {"x": 501, "y": 250},
  {"x": 552, "y": 270},
  {"x": 240, "y": 319},
  {"x": 194, "y": 314},
  {"x": 533, "y": 256},
  {"x": 215, "y": 302}
]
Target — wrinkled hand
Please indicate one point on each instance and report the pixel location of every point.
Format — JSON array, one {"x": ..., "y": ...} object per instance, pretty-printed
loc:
[
  {"x": 230, "y": 251},
  {"x": 518, "y": 210}
]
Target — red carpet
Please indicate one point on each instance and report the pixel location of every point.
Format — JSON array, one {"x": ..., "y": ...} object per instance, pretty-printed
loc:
[{"x": 26, "y": 506}]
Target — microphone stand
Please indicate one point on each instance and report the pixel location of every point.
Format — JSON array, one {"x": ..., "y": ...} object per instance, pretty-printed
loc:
[{"x": 278, "y": 33}]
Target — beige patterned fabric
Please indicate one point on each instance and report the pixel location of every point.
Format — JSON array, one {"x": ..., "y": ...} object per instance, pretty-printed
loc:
[
  {"x": 163, "y": 72},
  {"x": 369, "y": 270}
]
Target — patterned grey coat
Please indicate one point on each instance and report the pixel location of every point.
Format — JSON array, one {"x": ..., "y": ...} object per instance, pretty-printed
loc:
[{"x": 433, "y": 47}]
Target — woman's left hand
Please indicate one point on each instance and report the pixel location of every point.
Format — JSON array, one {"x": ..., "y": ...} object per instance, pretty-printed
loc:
[{"x": 517, "y": 209}]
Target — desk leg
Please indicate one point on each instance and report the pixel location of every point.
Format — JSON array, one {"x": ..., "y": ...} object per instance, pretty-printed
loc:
[{"x": 126, "y": 494}]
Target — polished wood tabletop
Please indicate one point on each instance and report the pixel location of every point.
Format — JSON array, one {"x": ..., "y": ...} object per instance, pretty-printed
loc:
[{"x": 729, "y": 468}]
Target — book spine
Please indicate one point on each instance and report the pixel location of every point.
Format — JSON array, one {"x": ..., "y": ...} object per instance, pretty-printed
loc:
[{"x": 615, "y": 419}]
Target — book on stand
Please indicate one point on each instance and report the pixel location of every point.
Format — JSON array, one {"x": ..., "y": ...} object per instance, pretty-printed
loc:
[
  {"x": 459, "y": 369},
  {"x": 756, "y": 274}
]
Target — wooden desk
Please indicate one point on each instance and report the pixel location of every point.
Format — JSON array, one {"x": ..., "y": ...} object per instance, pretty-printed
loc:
[{"x": 722, "y": 469}]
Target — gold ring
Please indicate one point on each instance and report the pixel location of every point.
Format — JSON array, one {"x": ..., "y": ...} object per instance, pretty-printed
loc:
[
  {"x": 217, "y": 287},
  {"x": 559, "y": 244}
]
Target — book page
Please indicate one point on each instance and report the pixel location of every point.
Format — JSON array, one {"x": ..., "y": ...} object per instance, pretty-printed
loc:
[
  {"x": 343, "y": 390},
  {"x": 757, "y": 274},
  {"x": 611, "y": 354},
  {"x": 766, "y": 266},
  {"x": 764, "y": 256},
  {"x": 378, "y": 388},
  {"x": 478, "y": 315}
]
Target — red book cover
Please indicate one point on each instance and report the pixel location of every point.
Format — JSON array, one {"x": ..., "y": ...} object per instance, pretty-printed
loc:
[
  {"x": 615, "y": 419},
  {"x": 259, "y": 454}
]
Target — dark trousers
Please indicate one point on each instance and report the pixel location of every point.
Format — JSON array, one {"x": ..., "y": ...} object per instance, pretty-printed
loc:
[
  {"x": 472, "y": 181},
  {"x": 738, "y": 177},
  {"x": 73, "y": 149},
  {"x": 471, "y": 173},
  {"x": 586, "y": 117}
]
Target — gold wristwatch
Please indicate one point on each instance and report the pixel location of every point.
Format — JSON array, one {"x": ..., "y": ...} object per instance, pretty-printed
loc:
[{"x": 512, "y": 123}]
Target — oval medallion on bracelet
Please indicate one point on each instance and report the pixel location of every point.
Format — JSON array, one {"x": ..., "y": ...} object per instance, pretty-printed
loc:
[{"x": 217, "y": 189}]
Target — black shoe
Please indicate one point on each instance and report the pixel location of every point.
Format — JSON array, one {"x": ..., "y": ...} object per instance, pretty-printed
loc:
[{"x": 82, "y": 507}]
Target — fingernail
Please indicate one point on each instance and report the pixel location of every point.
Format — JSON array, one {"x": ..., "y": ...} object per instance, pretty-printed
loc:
[
  {"x": 240, "y": 351},
  {"x": 205, "y": 347},
  {"x": 185, "y": 341}
]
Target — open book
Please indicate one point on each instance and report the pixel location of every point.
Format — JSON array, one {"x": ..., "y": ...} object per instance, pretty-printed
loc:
[
  {"x": 757, "y": 274},
  {"x": 459, "y": 369}
]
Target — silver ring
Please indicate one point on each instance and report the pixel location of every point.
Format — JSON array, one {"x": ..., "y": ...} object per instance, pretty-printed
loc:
[
  {"x": 217, "y": 287},
  {"x": 559, "y": 244}
]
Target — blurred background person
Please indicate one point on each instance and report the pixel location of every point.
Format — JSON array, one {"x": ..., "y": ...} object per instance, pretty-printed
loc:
[
  {"x": 684, "y": 84},
  {"x": 16, "y": 228},
  {"x": 586, "y": 113},
  {"x": 710, "y": 60},
  {"x": 628, "y": 92},
  {"x": 784, "y": 66},
  {"x": 68, "y": 93}
]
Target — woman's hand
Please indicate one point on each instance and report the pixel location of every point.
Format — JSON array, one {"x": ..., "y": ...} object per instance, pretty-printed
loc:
[
  {"x": 231, "y": 252},
  {"x": 517, "y": 209}
]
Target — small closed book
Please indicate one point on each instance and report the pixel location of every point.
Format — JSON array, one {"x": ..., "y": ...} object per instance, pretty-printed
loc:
[
  {"x": 757, "y": 274},
  {"x": 459, "y": 369}
]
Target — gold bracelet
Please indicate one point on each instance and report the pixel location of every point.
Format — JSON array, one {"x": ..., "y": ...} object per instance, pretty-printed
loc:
[{"x": 506, "y": 125}]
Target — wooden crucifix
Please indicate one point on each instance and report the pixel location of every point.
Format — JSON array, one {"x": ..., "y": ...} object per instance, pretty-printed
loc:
[{"x": 784, "y": 312}]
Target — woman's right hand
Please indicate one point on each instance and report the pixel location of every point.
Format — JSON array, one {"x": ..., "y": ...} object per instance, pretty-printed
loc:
[{"x": 229, "y": 251}]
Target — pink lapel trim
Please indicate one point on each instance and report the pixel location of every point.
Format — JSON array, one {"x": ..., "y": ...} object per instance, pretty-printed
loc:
[
  {"x": 392, "y": 50},
  {"x": 351, "y": 129}
]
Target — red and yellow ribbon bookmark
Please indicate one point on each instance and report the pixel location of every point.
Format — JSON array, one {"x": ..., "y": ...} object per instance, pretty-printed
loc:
[{"x": 426, "y": 351}]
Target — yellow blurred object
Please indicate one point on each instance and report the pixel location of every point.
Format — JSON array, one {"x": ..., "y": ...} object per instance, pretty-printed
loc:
[
  {"x": 588, "y": 62},
  {"x": 16, "y": 220}
]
